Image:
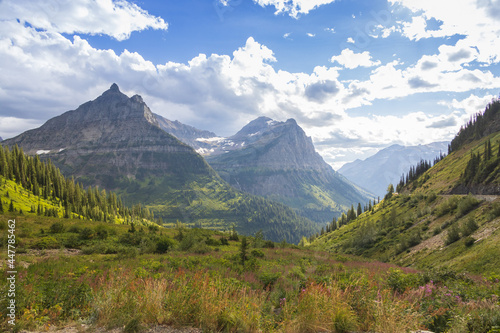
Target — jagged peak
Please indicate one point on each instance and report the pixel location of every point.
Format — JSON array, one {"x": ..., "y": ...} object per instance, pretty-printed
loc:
[
  {"x": 137, "y": 98},
  {"x": 114, "y": 87}
]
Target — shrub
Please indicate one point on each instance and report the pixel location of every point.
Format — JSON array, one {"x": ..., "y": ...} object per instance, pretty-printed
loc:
[
  {"x": 86, "y": 233},
  {"x": 164, "y": 244},
  {"x": 201, "y": 248},
  {"x": 257, "y": 253},
  {"x": 269, "y": 278},
  {"x": 469, "y": 226},
  {"x": 466, "y": 205},
  {"x": 453, "y": 235},
  {"x": 268, "y": 244},
  {"x": 212, "y": 242},
  {"x": 400, "y": 281},
  {"x": 469, "y": 241},
  {"x": 101, "y": 231},
  {"x": 56, "y": 228},
  {"x": 76, "y": 229},
  {"x": 47, "y": 243}
]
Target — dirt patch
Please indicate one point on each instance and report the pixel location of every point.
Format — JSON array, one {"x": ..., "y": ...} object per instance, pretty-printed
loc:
[{"x": 53, "y": 253}]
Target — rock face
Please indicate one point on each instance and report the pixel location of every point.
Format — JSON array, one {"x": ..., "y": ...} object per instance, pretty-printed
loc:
[
  {"x": 278, "y": 161},
  {"x": 386, "y": 167},
  {"x": 113, "y": 135}
]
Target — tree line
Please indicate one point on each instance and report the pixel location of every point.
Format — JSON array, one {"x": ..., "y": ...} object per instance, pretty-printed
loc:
[
  {"x": 46, "y": 181},
  {"x": 479, "y": 126}
]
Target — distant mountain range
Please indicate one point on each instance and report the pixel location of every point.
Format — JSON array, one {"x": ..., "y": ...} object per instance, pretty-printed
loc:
[
  {"x": 275, "y": 160},
  {"x": 278, "y": 161},
  {"x": 386, "y": 167},
  {"x": 116, "y": 142}
]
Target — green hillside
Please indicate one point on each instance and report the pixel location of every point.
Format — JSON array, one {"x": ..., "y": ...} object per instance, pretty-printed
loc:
[
  {"x": 448, "y": 217},
  {"x": 85, "y": 275}
]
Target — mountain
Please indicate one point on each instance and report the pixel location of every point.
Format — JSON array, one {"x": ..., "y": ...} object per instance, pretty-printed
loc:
[
  {"x": 116, "y": 142},
  {"x": 200, "y": 140},
  {"x": 447, "y": 218},
  {"x": 278, "y": 161},
  {"x": 386, "y": 166}
]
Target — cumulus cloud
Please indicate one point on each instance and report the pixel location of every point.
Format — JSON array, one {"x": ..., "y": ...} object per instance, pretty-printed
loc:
[
  {"x": 349, "y": 59},
  {"x": 114, "y": 18},
  {"x": 294, "y": 8},
  {"x": 480, "y": 28},
  {"x": 45, "y": 73}
]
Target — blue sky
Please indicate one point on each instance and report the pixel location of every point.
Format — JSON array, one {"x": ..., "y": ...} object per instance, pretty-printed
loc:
[{"x": 357, "y": 75}]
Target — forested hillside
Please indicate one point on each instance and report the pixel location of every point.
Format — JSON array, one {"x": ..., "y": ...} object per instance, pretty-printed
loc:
[
  {"x": 39, "y": 187},
  {"x": 447, "y": 215}
]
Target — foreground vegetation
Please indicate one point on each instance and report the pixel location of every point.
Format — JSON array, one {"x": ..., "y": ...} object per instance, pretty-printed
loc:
[{"x": 110, "y": 275}]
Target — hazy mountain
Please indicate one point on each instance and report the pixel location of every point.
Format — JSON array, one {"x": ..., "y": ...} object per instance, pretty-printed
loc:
[
  {"x": 116, "y": 142},
  {"x": 385, "y": 167},
  {"x": 278, "y": 161}
]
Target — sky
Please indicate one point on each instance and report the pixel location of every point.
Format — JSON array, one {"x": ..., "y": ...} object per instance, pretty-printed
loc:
[{"x": 357, "y": 75}]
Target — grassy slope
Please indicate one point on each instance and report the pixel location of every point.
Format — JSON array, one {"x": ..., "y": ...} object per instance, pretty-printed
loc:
[
  {"x": 111, "y": 282},
  {"x": 102, "y": 275},
  {"x": 386, "y": 233}
]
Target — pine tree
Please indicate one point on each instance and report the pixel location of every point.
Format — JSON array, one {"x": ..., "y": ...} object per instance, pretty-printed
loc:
[
  {"x": 11, "y": 206},
  {"x": 243, "y": 250},
  {"x": 359, "y": 211},
  {"x": 1, "y": 207}
]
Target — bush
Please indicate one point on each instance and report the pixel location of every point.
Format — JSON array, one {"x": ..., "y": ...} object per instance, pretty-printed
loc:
[
  {"x": 453, "y": 235},
  {"x": 400, "y": 281},
  {"x": 212, "y": 242},
  {"x": 447, "y": 206},
  {"x": 257, "y": 253},
  {"x": 56, "y": 228},
  {"x": 76, "y": 229},
  {"x": 466, "y": 205},
  {"x": 469, "y": 241},
  {"x": 101, "y": 231},
  {"x": 164, "y": 244},
  {"x": 86, "y": 233},
  {"x": 47, "y": 243},
  {"x": 269, "y": 278},
  {"x": 468, "y": 227},
  {"x": 268, "y": 244},
  {"x": 201, "y": 248}
]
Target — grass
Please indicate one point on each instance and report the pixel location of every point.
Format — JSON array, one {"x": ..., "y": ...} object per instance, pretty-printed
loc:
[{"x": 280, "y": 289}]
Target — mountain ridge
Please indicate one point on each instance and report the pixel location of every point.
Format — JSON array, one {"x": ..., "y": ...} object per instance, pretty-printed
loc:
[
  {"x": 116, "y": 142},
  {"x": 278, "y": 160}
]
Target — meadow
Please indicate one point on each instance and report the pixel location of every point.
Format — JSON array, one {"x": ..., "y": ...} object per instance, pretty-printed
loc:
[{"x": 73, "y": 272}]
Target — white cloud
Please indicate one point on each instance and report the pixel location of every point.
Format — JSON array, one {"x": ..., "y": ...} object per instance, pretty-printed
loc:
[
  {"x": 293, "y": 7},
  {"x": 45, "y": 74},
  {"x": 349, "y": 59},
  {"x": 11, "y": 126},
  {"x": 114, "y": 18},
  {"x": 470, "y": 105},
  {"x": 286, "y": 35},
  {"x": 476, "y": 20},
  {"x": 350, "y": 40},
  {"x": 332, "y": 30},
  {"x": 311, "y": 35}
]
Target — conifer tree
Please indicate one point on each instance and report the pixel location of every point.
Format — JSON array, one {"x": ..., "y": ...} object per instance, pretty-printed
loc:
[
  {"x": 243, "y": 250},
  {"x": 11, "y": 206},
  {"x": 1, "y": 207}
]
